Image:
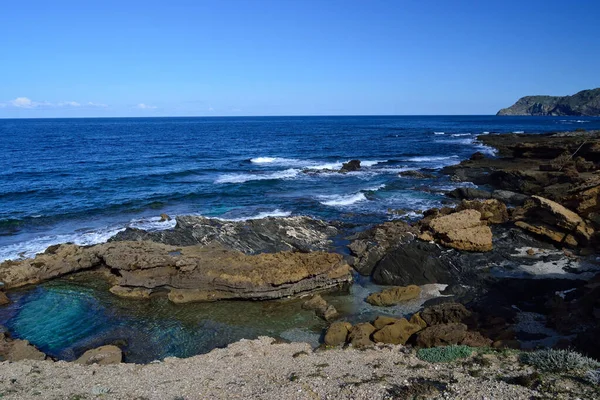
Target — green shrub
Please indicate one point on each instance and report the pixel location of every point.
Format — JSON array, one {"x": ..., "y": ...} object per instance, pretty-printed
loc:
[
  {"x": 444, "y": 354},
  {"x": 558, "y": 360}
]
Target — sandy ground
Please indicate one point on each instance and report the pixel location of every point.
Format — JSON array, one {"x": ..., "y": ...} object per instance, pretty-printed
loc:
[{"x": 265, "y": 369}]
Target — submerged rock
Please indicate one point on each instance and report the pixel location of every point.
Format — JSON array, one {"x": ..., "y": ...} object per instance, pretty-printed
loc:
[
  {"x": 191, "y": 273},
  {"x": 321, "y": 308},
  {"x": 264, "y": 235},
  {"x": 389, "y": 297}
]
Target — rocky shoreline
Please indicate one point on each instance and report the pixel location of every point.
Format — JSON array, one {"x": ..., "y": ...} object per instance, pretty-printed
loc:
[{"x": 517, "y": 254}]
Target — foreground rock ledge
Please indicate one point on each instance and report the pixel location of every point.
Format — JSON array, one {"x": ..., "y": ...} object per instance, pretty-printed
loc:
[{"x": 191, "y": 273}]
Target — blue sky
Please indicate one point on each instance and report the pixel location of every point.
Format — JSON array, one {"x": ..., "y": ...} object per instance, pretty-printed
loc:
[{"x": 284, "y": 57}]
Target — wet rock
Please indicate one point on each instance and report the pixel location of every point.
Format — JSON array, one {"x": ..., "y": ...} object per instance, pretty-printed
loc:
[
  {"x": 549, "y": 219},
  {"x": 360, "y": 335},
  {"x": 445, "y": 314},
  {"x": 352, "y": 165},
  {"x": 415, "y": 263},
  {"x": 4, "y": 300},
  {"x": 131, "y": 292},
  {"x": 396, "y": 333},
  {"x": 477, "y": 156},
  {"x": 104, "y": 355},
  {"x": 265, "y": 235},
  {"x": 321, "y": 307},
  {"x": 416, "y": 174},
  {"x": 392, "y": 296},
  {"x": 164, "y": 217},
  {"x": 492, "y": 210},
  {"x": 469, "y": 194},
  {"x": 371, "y": 246},
  {"x": 192, "y": 273},
  {"x": 337, "y": 333}
]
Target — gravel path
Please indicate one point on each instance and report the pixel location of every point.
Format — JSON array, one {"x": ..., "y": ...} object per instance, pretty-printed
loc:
[{"x": 265, "y": 369}]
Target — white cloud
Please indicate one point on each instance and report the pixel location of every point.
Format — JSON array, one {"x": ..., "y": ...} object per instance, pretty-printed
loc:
[
  {"x": 143, "y": 106},
  {"x": 23, "y": 102},
  {"x": 211, "y": 109},
  {"x": 26, "y": 102}
]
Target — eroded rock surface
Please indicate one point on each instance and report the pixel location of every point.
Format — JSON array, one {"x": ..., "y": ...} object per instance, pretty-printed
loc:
[
  {"x": 190, "y": 273},
  {"x": 264, "y": 235}
]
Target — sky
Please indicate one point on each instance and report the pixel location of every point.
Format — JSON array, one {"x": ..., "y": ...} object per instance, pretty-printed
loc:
[{"x": 290, "y": 57}]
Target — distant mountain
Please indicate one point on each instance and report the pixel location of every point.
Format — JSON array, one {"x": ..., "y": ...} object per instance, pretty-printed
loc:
[{"x": 584, "y": 103}]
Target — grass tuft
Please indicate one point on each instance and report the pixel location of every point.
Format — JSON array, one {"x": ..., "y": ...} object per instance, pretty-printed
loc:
[{"x": 444, "y": 354}]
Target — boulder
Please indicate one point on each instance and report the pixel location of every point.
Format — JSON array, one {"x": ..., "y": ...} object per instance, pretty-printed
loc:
[
  {"x": 416, "y": 263},
  {"x": 492, "y": 211},
  {"x": 360, "y": 335},
  {"x": 416, "y": 319},
  {"x": 444, "y": 314},
  {"x": 382, "y": 321},
  {"x": 416, "y": 174},
  {"x": 441, "y": 335},
  {"x": 264, "y": 235},
  {"x": 4, "y": 300},
  {"x": 396, "y": 333},
  {"x": 352, "y": 165},
  {"x": 462, "y": 230},
  {"x": 547, "y": 218},
  {"x": 17, "y": 350},
  {"x": 477, "y": 156},
  {"x": 337, "y": 333},
  {"x": 192, "y": 273},
  {"x": 371, "y": 246},
  {"x": 321, "y": 307},
  {"x": 508, "y": 197},
  {"x": 469, "y": 194},
  {"x": 164, "y": 217},
  {"x": 103, "y": 355},
  {"x": 389, "y": 297}
]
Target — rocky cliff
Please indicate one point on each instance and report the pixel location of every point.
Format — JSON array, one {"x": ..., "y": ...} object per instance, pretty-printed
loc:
[{"x": 584, "y": 103}]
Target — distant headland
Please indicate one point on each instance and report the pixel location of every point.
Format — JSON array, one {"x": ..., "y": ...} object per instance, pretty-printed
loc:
[{"x": 584, "y": 103}]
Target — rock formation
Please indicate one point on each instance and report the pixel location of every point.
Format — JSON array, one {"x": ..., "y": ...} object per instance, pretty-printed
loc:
[
  {"x": 584, "y": 103},
  {"x": 189, "y": 273},
  {"x": 264, "y": 235}
]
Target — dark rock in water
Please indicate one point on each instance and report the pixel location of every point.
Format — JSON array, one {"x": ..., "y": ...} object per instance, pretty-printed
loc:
[
  {"x": 265, "y": 235},
  {"x": 469, "y": 194},
  {"x": 352, "y": 165},
  {"x": 321, "y": 308},
  {"x": 477, "y": 156},
  {"x": 445, "y": 314},
  {"x": 416, "y": 174},
  {"x": 415, "y": 263}
]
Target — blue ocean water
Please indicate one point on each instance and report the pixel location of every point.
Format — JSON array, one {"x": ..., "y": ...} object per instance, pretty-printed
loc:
[{"x": 83, "y": 180}]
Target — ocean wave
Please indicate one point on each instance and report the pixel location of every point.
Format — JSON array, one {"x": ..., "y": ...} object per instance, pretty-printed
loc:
[
  {"x": 264, "y": 214},
  {"x": 82, "y": 237},
  {"x": 431, "y": 158},
  {"x": 439, "y": 133},
  {"x": 460, "y": 134},
  {"x": 241, "y": 178},
  {"x": 274, "y": 160},
  {"x": 518, "y": 131},
  {"x": 343, "y": 200},
  {"x": 375, "y": 188},
  {"x": 370, "y": 163}
]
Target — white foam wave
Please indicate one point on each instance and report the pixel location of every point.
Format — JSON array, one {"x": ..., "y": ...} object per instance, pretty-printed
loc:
[
  {"x": 241, "y": 178},
  {"x": 485, "y": 133},
  {"x": 333, "y": 166},
  {"x": 265, "y": 214},
  {"x": 343, "y": 200},
  {"x": 439, "y": 133},
  {"x": 275, "y": 160},
  {"x": 84, "y": 237},
  {"x": 429, "y": 159},
  {"x": 518, "y": 131},
  {"x": 460, "y": 134},
  {"x": 370, "y": 163},
  {"x": 581, "y": 121},
  {"x": 375, "y": 188}
]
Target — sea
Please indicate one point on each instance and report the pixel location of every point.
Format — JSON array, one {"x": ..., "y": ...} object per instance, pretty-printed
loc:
[{"x": 84, "y": 180}]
